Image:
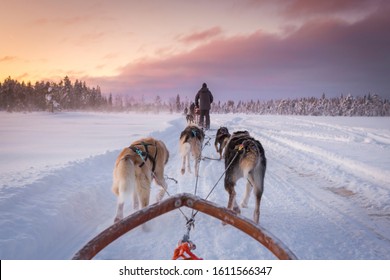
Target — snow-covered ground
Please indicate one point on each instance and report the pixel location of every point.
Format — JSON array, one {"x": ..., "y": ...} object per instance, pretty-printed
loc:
[{"x": 327, "y": 186}]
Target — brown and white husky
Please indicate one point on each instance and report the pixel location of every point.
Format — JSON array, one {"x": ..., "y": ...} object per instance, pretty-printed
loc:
[
  {"x": 221, "y": 139},
  {"x": 135, "y": 168}
]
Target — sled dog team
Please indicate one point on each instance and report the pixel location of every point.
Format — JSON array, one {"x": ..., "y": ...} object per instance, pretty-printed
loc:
[{"x": 145, "y": 159}]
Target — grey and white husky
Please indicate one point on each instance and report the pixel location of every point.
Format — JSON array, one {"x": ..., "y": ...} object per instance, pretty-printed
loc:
[
  {"x": 244, "y": 158},
  {"x": 191, "y": 141}
]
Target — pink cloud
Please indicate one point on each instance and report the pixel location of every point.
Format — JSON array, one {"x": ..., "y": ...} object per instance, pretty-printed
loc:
[
  {"x": 302, "y": 7},
  {"x": 22, "y": 76},
  {"x": 8, "y": 58},
  {"x": 308, "y": 8},
  {"x": 64, "y": 21},
  {"x": 110, "y": 56},
  {"x": 322, "y": 56},
  {"x": 202, "y": 35},
  {"x": 89, "y": 38}
]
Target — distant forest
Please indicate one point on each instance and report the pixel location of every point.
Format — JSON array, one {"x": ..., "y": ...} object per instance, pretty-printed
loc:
[{"x": 49, "y": 96}]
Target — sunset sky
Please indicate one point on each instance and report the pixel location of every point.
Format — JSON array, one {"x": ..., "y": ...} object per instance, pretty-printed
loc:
[{"x": 243, "y": 49}]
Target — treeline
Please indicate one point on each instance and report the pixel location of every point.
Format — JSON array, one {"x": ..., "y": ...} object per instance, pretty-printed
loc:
[
  {"x": 65, "y": 95},
  {"x": 368, "y": 105}
]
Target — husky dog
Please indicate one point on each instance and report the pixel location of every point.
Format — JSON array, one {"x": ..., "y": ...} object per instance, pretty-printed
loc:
[
  {"x": 135, "y": 168},
  {"x": 190, "y": 119},
  {"x": 197, "y": 115},
  {"x": 191, "y": 140},
  {"x": 221, "y": 139},
  {"x": 244, "y": 158}
]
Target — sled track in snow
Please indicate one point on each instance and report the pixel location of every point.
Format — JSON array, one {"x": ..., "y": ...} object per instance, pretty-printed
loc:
[{"x": 315, "y": 200}]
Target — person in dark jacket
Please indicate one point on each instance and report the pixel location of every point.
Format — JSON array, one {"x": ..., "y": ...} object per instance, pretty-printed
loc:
[{"x": 203, "y": 100}]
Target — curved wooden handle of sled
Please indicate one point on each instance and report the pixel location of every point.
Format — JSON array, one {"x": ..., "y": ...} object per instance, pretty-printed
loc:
[{"x": 132, "y": 221}]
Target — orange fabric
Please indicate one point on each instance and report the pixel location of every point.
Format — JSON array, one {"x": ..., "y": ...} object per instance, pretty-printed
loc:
[{"x": 183, "y": 251}]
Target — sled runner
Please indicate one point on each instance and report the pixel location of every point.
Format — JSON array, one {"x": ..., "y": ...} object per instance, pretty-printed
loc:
[{"x": 140, "y": 217}]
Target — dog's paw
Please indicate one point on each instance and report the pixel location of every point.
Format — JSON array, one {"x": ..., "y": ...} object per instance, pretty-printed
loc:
[
  {"x": 244, "y": 205},
  {"x": 182, "y": 171}
]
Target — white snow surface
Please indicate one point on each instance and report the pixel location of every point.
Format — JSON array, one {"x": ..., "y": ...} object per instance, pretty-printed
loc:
[{"x": 327, "y": 186}]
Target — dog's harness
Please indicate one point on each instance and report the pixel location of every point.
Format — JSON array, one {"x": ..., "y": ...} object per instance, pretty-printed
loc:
[
  {"x": 144, "y": 155},
  {"x": 239, "y": 148}
]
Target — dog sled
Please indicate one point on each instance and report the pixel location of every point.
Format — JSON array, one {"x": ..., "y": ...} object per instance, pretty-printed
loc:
[{"x": 265, "y": 238}]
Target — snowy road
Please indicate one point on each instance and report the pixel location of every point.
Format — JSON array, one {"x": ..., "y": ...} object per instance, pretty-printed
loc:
[{"x": 327, "y": 187}]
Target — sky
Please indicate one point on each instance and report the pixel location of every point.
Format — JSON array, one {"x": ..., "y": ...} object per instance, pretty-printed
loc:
[{"x": 243, "y": 49}]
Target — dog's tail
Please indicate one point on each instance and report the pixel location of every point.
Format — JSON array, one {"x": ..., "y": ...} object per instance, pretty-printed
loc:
[
  {"x": 124, "y": 176},
  {"x": 185, "y": 147}
]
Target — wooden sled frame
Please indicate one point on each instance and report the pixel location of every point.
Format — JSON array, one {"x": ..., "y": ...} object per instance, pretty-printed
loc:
[{"x": 132, "y": 221}]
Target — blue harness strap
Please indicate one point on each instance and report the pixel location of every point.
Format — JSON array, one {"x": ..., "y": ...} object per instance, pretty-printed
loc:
[{"x": 144, "y": 155}]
